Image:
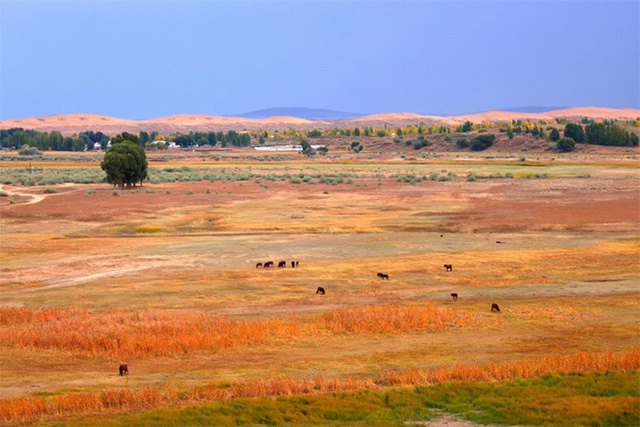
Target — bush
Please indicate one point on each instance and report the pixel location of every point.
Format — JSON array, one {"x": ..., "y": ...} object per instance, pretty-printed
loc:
[
  {"x": 482, "y": 142},
  {"x": 50, "y": 190},
  {"x": 29, "y": 151},
  {"x": 566, "y": 145},
  {"x": 462, "y": 143}
]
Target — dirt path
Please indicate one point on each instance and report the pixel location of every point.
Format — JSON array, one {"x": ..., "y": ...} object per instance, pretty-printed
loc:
[{"x": 36, "y": 197}]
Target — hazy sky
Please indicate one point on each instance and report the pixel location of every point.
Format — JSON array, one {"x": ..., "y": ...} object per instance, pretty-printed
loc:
[{"x": 143, "y": 59}]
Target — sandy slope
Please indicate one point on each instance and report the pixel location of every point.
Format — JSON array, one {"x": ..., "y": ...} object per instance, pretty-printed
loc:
[{"x": 73, "y": 123}]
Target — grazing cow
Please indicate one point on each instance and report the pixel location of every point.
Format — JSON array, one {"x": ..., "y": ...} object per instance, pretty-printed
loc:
[
  {"x": 454, "y": 296},
  {"x": 320, "y": 290},
  {"x": 449, "y": 267},
  {"x": 258, "y": 265},
  {"x": 297, "y": 263},
  {"x": 124, "y": 370},
  {"x": 494, "y": 307},
  {"x": 268, "y": 264},
  {"x": 441, "y": 235},
  {"x": 282, "y": 264},
  {"x": 293, "y": 264},
  {"x": 499, "y": 242},
  {"x": 383, "y": 276}
]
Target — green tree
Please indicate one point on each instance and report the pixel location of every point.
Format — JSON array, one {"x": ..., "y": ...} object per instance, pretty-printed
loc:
[
  {"x": 356, "y": 147},
  {"x": 554, "y": 135},
  {"x": 323, "y": 150},
  {"x": 356, "y": 132},
  {"x": 307, "y": 150},
  {"x": 574, "y": 131},
  {"x": 566, "y": 144},
  {"x": 124, "y": 136},
  {"x": 125, "y": 164}
]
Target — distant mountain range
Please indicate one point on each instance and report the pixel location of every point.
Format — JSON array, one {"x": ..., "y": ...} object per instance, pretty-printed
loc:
[
  {"x": 302, "y": 113},
  {"x": 533, "y": 109}
]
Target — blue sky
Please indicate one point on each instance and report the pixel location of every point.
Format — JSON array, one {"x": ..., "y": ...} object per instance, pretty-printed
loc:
[{"x": 144, "y": 59}]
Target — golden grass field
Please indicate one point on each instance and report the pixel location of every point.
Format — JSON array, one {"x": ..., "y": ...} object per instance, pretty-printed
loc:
[{"x": 163, "y": 278}]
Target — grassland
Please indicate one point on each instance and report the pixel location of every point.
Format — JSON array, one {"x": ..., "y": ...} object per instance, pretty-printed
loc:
[{"x": 163, "y": 278}]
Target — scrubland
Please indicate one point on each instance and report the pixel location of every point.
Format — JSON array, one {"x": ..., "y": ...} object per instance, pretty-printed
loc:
[{"x": 163, "y": 278}]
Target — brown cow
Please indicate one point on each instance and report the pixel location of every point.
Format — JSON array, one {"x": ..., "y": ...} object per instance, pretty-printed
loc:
[
  {"x": 320, "y": 290},
  {"x": 258, "y": 265},
  {"x": 268, "y": 264},
  {"x": 494, "y": 307},
  {"x": 454, "y": 296},
  {"x": 383, "y": 276},
  {"x": 282, "y": 264},
  {"x": 449, "y": 267},
  {"x": 124, "y": 370}
]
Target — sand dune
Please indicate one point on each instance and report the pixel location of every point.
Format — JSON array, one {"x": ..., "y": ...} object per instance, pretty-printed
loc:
[{"x": 73, "y": 123}]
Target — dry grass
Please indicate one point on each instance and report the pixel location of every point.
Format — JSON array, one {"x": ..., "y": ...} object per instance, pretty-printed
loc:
[
  {"x": 121, "y": 334},
  {"x": 28, "y": 409}
]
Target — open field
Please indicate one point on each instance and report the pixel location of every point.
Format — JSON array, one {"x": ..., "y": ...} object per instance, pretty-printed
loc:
[{"x": 163, "y": 278}]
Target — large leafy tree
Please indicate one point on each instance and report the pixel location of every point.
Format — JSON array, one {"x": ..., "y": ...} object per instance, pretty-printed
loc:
[{"x": 125, "y": 164}]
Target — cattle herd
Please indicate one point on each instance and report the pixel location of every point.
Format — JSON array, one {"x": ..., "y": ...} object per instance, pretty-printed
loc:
[
  {"x": 124, "y": 369},
  {"x": 281, "y": 264}
]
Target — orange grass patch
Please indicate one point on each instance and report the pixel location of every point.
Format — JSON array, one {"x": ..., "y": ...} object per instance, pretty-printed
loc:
[
  {"x": 25, "y": 409},
  {"x": 122, "y": 333}
]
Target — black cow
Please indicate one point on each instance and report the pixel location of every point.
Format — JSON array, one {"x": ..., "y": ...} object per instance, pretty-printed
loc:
[
  {"x": 494, "y": 307},
  {"x": 383, "y": 276},
  {"x": 124, "y": 370},
  {"x": 454, "y": 296},
  {"x": 268, "y": 264},
  {"x": 449, "y": 267},
  {"x": 258, "y": 265},
  {"x": 320, "y": 290},
  {"x": 282, "y": 264}
]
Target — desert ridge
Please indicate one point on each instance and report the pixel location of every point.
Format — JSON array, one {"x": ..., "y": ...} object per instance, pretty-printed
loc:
[{"x": 73, "y": 123}]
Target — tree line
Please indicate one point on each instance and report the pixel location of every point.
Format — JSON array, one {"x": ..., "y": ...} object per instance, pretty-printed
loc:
[{"x": 16, "y": 138}]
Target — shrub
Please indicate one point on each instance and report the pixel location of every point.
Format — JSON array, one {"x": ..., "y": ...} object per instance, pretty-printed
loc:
[
  {"x": 462, "y": 143},
  {"x": 50, "y": 190},
  {"x": 29, "y": 151},
  {"x": 482, "y": 142},
  {"x": 566, "y": 145}
]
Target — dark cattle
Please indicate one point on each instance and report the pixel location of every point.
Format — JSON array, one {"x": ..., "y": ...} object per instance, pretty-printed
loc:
[
  {"x": 499, "y": 242},
  {"x": 383, "y": 276},
  {"x": 282, "y": 264},
  {"x": 258, "y": 265},
  {"x": 268, "y": 264},
  {"x": 293, "y": 264},
  {"x": 124, "y": 370},
  {"x": 441, "y": 235},
  {"x": 494, "y": 307},
  {"x": 449, "y": 267},
  {"x": 320, "y": 290},
  {"x": 454, "y": 296},
  {"x": 297, "y": 263}
]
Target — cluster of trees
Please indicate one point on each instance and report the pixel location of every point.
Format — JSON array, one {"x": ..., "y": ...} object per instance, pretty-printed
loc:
[
  {"x": 15, "y": 138},
  {"x": 605, "y": 133},
  {"x": 609, "y": 133},
  {"x": 237, "y": 139}
]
